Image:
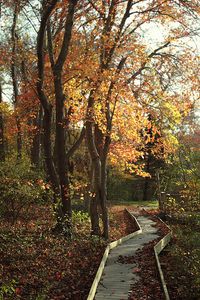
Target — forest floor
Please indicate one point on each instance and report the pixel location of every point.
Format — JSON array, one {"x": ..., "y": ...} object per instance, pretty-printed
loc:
[
  {"x": 37, "y": 265},
  {"x": 129, "y": 266},
  {"x": 180, "y": 262},
  {"x": 148, "y": 287}
]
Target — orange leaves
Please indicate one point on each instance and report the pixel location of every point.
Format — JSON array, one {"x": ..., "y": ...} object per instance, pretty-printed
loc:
[
  {"x": 18, "y": 291},
  {"x": 122, "y": 152}
]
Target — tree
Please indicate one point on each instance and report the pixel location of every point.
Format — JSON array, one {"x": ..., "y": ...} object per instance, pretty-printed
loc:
[
  {"x": 153, "y": 155},
  {"x": 116, "y": 37},
  {"x": 15, "y": 83},
  {"x": 98, "y": 75},
  {"x": 59, "y": 178},
  {"x": 2, "y": 144}
]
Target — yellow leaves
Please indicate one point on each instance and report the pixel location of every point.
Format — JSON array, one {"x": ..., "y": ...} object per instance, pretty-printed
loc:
[
  {"x": 75, "y": 100},
  {"x": 170, "y": 143},
  {"x": 127, "y": 121},
  {"x": 127, "y": 124},
  {"x": 172, "y": 112},
  {"x": 104, "y": 88},
  {"x": 122, "y": 152},
  {"x": 137, "y": 169},
  {"x": 142, "y": 173},
  {"x": 5, "y": 108},
  {"x": 72, "y": 91}
]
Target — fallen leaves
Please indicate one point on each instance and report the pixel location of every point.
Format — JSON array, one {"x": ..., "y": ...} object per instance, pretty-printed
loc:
[
  {"x": 136, "y": 270},
  {"x": 148, "y": 287},
  {"x": 46, "y": 266}
]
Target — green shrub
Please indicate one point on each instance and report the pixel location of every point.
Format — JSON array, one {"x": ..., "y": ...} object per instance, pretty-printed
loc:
[
  {"x": 20, "y": 186},
  {"x": 7, "y": 289},
  {"x": 186, "y": 260},
  {"x": 124, "y": 187},
  {"x": 120, "y": 186},
  {"x": 81, "y": 222}
]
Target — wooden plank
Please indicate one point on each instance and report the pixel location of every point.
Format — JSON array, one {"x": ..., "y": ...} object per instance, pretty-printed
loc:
[
  {"x": 163, "y": 243},
  {"x": 157, "y": 250},
  {"x": 124, "y": 239},
  {"x": 105, "y": 256},
  {"x": 98, "y": 274},
  {"x": 162, "y": 277}
]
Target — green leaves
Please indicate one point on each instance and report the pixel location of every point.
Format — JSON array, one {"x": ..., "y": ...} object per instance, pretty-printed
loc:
[
  {"x": 182, "y": 263},
  {"x": 7, "y": 288},
  {"x": 20, "y": 187}
]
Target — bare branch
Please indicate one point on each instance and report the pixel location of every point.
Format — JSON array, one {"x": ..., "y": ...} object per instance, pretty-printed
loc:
[
  {"x": 50, "y": 44},
  {"x": 97, "y": 9},
  {"x": 40, "y": 53},
  {"x": 76, "y": 144},
  {"x": 67, "y": 36},
  {"x": 143, "y": 66}
]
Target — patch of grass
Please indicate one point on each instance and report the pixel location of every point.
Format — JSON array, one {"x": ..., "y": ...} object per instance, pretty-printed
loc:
[{"x": 151, "y": 204}]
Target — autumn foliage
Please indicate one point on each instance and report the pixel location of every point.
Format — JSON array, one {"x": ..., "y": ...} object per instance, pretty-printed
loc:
[{"x": 89, "y": 87}]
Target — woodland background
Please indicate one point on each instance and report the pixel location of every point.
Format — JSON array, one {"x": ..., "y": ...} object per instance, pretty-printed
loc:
[{"x": 99, "y": 104}]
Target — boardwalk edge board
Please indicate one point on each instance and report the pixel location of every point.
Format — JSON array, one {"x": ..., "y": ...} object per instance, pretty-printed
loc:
[
  {"x": 158, "y": 248},
  {"x": 105, "y": 256}
]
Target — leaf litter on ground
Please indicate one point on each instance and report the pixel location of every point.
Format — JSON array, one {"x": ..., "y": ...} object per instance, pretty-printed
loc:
[{"x": 36, "y": 264}]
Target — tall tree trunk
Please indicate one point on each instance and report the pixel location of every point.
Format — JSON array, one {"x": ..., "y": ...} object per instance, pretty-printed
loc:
[
  {"x": 19, "y": 137},
  {"x": 62, "y": 162},
  {"x": 36, "y": 122},
  {"x": 146, "y": 181},
  {"x": 15, "y": 80},
  {"x": 60, "y": 178},
  {"x": 95, "y": 199},
  {"x": 104, "y": 183},
  {"x": 47, "y": 118},
  {"x": 62, "y": 165},
  {"x": 36, "y": 144},
  {"x": 102, "y": 145},
  {"x": 50, "y": 166},
  {"x": 96, "y": 169},
  {"x": 2, "y": 144},
  {"x": 105, "y": 217}
]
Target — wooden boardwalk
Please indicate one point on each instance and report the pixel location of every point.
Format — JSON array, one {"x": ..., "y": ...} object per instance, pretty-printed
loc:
[{"x": 117, "y": 278}]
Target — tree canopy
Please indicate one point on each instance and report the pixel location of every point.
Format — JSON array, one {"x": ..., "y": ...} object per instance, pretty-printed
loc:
[{"x": 82, "y": 77}]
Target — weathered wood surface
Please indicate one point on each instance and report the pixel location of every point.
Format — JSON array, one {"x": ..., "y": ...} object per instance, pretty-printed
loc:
[
  {"x": 117, "y": 278},
  {"x": 105, "y": 256}
]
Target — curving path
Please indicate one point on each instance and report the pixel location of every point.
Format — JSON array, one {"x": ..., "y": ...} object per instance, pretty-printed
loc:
[{"x": 117, "y": 278}]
